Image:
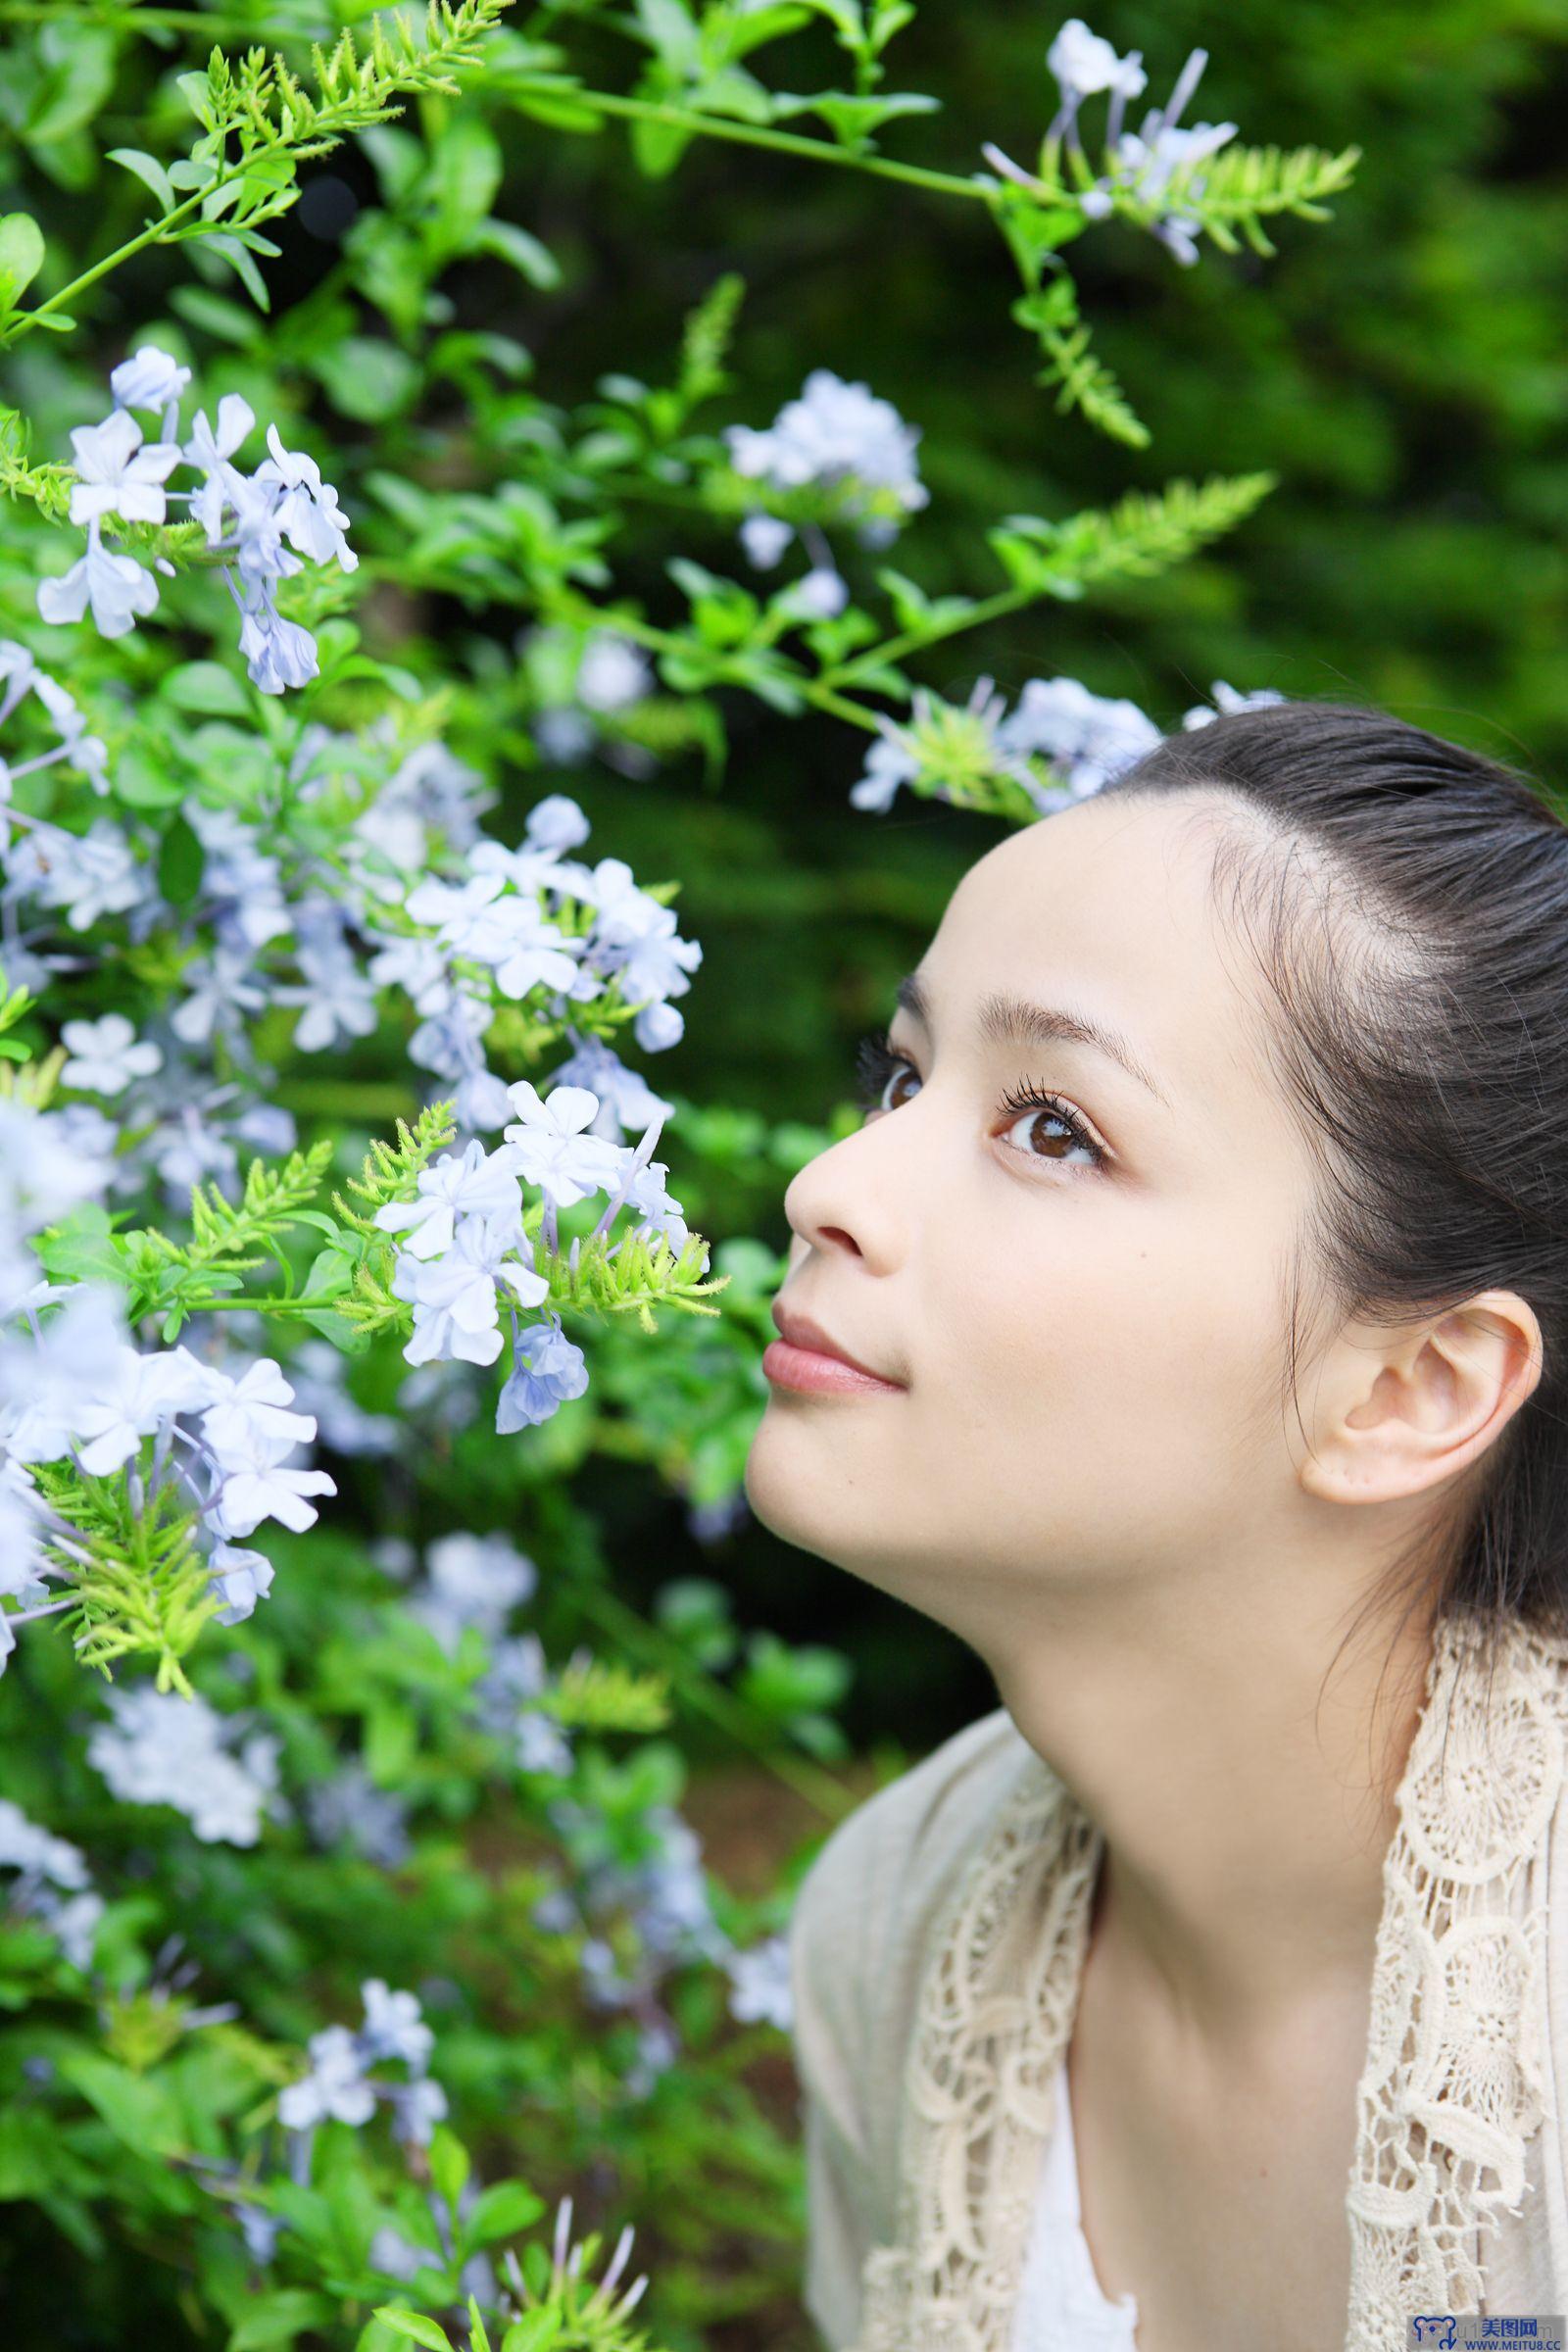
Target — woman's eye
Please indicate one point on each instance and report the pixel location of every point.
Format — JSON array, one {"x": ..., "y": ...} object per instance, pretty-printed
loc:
[
  {"x": 878, "y": 1071},
  {"x": 1044, "y": 1127},
  {"x": 1046, "y": 1133}
]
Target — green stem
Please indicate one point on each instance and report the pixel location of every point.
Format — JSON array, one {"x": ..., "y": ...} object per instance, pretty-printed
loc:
[
  {"x": 818, "y": 1788},
  {"x": 915, "y": 641},
  {"x": 658, "y": 640},
  {"x": 785, "y": 142},
  {"x": 261, "y": 1304},
  {"x": 22, "y": 320}
]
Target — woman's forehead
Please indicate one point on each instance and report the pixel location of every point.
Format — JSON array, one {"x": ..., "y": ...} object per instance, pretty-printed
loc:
[
  {"x": 1121, "y": 884},
  {"x": 1106, "y": 905}
]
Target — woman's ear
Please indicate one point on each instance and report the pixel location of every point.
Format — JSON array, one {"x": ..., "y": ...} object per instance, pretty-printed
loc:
[{"x": 1397, "y": 1412}]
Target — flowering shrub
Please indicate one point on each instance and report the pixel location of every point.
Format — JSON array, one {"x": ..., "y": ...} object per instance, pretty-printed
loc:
[{"x": 349, "y": 1895}]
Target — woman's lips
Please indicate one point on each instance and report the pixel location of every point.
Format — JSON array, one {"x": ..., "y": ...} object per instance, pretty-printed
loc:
[{"x": 808, "y": 1369}]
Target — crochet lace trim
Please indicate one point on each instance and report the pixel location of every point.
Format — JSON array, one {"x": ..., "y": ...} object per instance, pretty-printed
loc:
[{"x": 1454, "y": 2085}]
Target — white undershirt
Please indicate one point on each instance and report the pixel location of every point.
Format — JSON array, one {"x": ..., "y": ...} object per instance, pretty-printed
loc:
[{"x": 1061, "y": 2305}]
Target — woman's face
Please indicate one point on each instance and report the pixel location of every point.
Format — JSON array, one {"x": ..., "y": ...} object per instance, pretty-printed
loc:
[{"x": 1089, "y": 1348}]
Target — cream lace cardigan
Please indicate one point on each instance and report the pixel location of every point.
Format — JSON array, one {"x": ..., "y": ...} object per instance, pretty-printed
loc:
[{"x": 935, "y": 1948}]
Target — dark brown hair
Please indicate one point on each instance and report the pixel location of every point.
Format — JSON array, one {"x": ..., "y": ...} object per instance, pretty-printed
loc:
[{"x": 1407, "y": 902}]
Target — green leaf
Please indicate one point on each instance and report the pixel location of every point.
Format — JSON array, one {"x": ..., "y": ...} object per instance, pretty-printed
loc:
[
  {"x": 149, "y": 171},
  {"x": 279, "y": 2317},
  {"x": 527, "y": 256},
  {"x": 367, "y": 377},
  {"x": 853, "y": 119},
  {"x": 29, "y": 2150},
  {"x": 182, "y": 862},
  {"x": 139, "y": 2109},
  {"x": 413, "y": 2324},
  {"x": 501, "y": 2211},
  {"x": 448, "y": 2165},
  {"x": 213, "y": 313},
  {"x": 209, "y": 687},
  {"x": 20, "y": 255},
  {"x": 535, "y": 2331},
  {"x": 670, "y": 31},
  {"x": 230, "y": 250},
  {"x": 142, "y": 783},
  {"x": 79, "y": 77}
]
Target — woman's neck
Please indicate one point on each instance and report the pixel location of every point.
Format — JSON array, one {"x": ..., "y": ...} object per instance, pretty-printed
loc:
[{"x": 1243, "y": 1837}]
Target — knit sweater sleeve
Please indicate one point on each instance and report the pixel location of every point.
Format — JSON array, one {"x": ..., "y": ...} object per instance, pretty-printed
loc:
[{"x": 858, "y": 1935}]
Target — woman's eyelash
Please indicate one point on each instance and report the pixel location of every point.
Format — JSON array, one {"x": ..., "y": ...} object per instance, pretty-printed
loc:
[{"x": 876, "y": 1058}]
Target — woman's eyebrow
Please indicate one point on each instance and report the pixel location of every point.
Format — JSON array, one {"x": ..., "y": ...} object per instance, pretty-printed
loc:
[{"x": 1013, "y": 1020}]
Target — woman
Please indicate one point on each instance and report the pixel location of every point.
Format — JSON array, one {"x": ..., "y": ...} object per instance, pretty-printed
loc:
[{"x": 1205, "y": 1252}]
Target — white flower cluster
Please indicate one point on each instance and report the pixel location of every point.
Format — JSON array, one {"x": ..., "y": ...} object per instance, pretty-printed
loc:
[
  {"x": 1142, "y": 161},
  {"x": 339, "y": 2087},
  {"x": 759, "y": 1984},
  {"x": 464, "y": 1246},
  {"x": 74, "y": 1388},
  {"x": 1088, "y": 738},
  {"x": 53, "y": 1883},
  {"x": 472, "y": 1580},
  {"x": 499, "y": 918},
  {"x": 833, "y": 432},
  {"x": 161, "y": 1749},
  {"x": 270, "y": 521}
]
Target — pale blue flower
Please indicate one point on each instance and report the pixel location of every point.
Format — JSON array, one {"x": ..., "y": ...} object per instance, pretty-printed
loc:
[
  {"x": 309, "y": 515},
  {"x": 1226, "y": 700},
  {"x": 417, "y": 2109},
  {"x": 257, "y": 1487},
  {"x": 625, "y": 1099},
  {"x": 478, "y": 1184},
  {"x": 116, "y": 587},
  {"x": 889, "y": 762},
  {"x": 760, "y": 1981},
  {"x": 393, "y": 2025},
  {"x": 350, "y": 1808},
  {"x": 540, "y": 1745},
  {"x": 553, "y": 1147},
  {"x": 104, "y": 1055},
  {"x": 149, "y": 379},
  {"x": 252, "y": 1410},
  {"x": 335, "y": 2088},
  {"x": 612, "y": 672},
  {"x": 764, "y": 537},
  {"x": 1084, "y": 64},
  {"x": 454, "y": 1297},
  {"x": 557, "y": 823},
  {"x": 209, "y": 449},
  {"x": 1089, "y": 737},
  {"x": 472, "y": 1581},
  {"x": 834, "y": 433},
  {"x": 564, "y": 736},
  {"x": 279, "y": 653},
  {"x": 239, "y": 1579},
  {"x": 161, "y": 1749},
  {"x": 551, "y": 1371},
  {"x": 820, "y": 593},
  {"x": 118, "y": 473},
  {"x": 657, "y": 1026},
  {"x": 24, "y": 1846}
]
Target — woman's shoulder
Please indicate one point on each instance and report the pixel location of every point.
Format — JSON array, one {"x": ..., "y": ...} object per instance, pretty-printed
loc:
[
  {"x": 897, "y": 1848},
  {"x": 858, "y": 1937},
  {"x": 864, "y": 1910}
]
